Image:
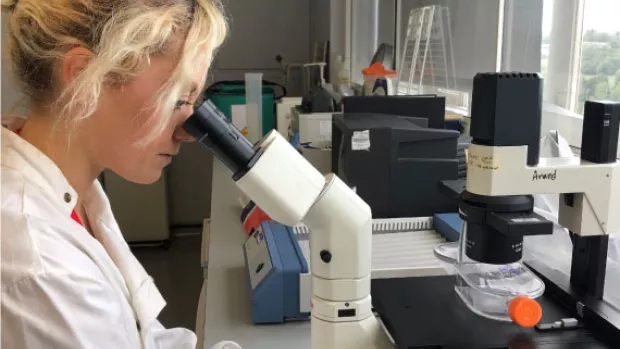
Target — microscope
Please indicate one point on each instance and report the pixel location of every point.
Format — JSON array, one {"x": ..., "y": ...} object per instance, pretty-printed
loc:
[
  {"x": 290, "y": 190},
  {"x": 504, "y": 171}
]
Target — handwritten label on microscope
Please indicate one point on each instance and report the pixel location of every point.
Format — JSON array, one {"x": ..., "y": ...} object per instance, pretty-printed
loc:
[
  {"x": 482, "y": 162},
  {"x": 544, "y": 176}
]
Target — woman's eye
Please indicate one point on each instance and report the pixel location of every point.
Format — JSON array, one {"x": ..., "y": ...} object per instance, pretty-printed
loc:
[{"x": 180, "y": 104}]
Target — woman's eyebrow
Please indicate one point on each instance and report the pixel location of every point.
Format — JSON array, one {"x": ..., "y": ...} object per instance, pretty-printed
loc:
[{"x": 194, "y": 88}]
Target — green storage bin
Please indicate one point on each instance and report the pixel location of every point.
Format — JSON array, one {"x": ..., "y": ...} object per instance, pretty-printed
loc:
[{"x": 225, "y": 94}]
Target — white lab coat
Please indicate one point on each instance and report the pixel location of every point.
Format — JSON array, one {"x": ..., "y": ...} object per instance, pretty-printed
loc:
[{"x": 62, "y": 287}]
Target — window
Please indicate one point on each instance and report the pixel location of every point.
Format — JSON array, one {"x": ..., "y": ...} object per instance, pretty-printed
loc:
[
  {"x": 535, "y": 40},
  {"x": 579, "y": 55},
  {"x": 373, "y": 23},
  {"x": 599, "y": 76},
  {"x": 574, "y": 44},
  {"x": 442, "y": 44}
]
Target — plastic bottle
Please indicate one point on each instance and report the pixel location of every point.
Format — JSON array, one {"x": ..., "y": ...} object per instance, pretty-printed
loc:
[
  {"x": 335, "y": 71},
  {"x": 254, "y": 105},
  {"x": 343, "y": 84},
  {"x": 344, "y": 75}
]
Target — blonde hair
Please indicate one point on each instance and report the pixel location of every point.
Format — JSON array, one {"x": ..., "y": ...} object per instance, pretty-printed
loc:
[{"x": 122, "y": 34}]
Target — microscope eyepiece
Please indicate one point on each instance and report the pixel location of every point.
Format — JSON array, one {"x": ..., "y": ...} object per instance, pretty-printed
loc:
[{"x": 212, "y": 129}]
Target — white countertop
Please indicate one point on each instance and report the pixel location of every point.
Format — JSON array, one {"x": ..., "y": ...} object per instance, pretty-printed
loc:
[{"x": 227, "y": 314}]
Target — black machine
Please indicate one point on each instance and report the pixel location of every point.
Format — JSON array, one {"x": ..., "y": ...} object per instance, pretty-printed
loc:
[
  {"x": 395, "y": 162},
  {"x": 430, "y": 107}
]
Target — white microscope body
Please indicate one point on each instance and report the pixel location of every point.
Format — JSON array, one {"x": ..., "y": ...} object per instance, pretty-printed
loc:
[{"x": 289, "y": 189}]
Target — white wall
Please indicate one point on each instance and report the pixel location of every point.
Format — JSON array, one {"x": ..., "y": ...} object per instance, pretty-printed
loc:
[
  {"x": 337, "y": 32},
  {"x": 373, "y": 23},
  {"x": 320, "y": 27},
  {"x": 259, "y": 31},
  {"x": 364, "y": 37},
  {"x": 522, "y": 35},
  {"x": 319, "y": 20},
  {"x": 387, "y": 21}
]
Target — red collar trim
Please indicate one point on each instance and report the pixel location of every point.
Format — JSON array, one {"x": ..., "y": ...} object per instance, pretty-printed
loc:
[{"x": 74, "y": 214}]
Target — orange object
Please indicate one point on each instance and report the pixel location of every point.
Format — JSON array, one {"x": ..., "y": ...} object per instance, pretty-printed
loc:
[
  {"x": 377, "y": 69},
  {"x": 524, "y": 311},
  {"x": 254, "y": 219}
]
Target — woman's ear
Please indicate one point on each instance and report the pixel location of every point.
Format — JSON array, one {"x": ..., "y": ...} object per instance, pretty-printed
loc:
[{"x": 73, "y": 63}]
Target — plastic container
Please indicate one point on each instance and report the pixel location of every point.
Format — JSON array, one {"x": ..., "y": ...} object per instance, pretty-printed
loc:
[
  {"x": 490, "y": 290},
  {"x": 446, "y": 254},
  {"x": 378, "y": 80},
  {"x": 229, "y": 96},
  {"x": 254, "y": 105},
  {"x": 313, "y": 128}
]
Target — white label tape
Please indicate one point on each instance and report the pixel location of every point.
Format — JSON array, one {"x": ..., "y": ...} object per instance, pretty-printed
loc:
[{"x": 360, "y": 140}]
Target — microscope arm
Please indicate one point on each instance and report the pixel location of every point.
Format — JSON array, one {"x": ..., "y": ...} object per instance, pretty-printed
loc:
[
  {"x": 590, "y": 210},
  {"x": 289, "y": 189}
]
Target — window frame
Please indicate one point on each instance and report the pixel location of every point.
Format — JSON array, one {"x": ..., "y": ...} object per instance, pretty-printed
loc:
[
  {"x": 562, "y": 89},
  {"x": 565, "y": 87},
  {"x": 355, "y": 74}
]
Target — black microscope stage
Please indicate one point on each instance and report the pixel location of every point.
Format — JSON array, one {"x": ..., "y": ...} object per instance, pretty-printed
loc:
[{"x": 426, "y": 313}]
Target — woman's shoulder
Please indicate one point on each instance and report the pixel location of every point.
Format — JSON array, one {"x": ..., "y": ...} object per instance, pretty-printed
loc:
[
  {"x": 33, "y": 245},
  {"x": 19, "y": 259}
]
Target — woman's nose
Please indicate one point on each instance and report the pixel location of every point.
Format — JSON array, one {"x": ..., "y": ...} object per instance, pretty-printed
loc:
[{"x": 180, "y": 135}]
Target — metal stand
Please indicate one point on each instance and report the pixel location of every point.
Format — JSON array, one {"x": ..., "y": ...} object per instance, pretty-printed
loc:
[
  {"x": 589, "y": 264},
  {"x": 583, "y": 292}
]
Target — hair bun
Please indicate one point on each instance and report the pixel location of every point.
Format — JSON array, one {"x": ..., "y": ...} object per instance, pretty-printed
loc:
[{"x": 9, "y": 3}]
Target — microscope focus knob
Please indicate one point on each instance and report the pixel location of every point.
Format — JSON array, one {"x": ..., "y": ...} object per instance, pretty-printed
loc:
[{"x": 326, "y": 256}]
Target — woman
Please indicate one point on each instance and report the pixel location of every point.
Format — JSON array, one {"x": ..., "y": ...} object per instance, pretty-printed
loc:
[{"x": 110, "y": 82}]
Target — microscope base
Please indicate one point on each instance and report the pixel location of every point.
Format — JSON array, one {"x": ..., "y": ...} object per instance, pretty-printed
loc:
[
  {"x": 425, "y": 312},
  {"x": 364, "y": 334}
]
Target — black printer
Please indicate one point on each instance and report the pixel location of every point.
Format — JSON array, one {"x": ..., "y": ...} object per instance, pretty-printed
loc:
[{"x": 396, "y": 163}]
